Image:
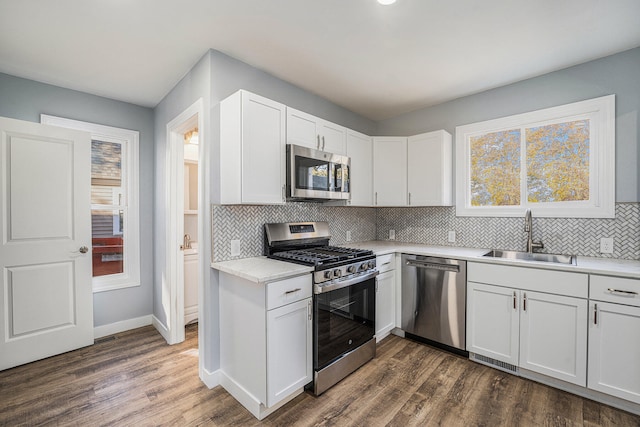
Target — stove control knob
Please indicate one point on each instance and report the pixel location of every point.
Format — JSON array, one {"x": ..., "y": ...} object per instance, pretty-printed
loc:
[
  {"x": 337, "y": 272},
  {"x": 370, "y": 265},
  {"x": 363, "y": 266},
  {"x": 351, "y": 269},
  {"x": 327, "y": 274}
]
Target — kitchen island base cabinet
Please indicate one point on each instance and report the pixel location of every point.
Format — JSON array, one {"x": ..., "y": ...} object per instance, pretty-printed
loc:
[{"x": 265, "y": 340}]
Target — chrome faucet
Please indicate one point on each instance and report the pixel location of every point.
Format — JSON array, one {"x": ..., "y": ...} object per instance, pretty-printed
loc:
[
  {"x": 528, "y": 228},
  {"x": 187, "y": 242}
]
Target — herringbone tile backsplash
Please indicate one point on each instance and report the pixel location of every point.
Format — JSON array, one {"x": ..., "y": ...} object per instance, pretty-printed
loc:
[{"x": 579, "y": 236}]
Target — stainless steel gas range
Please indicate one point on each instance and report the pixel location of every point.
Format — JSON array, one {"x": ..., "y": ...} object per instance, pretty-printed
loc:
[{"x": 343, "y": 297}]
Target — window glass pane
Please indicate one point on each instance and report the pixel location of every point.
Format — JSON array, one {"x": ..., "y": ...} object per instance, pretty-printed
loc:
[
  {"x": 106, "y": 173},
  {"x": 107, "y": 240},
  {"x": 495, "y": 168},
  {"x": 558, "y": 162}
]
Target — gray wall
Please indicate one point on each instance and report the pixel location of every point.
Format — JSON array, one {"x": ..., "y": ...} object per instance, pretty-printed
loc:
[
  {"x": 617, "y": 74},
  {"x": 193, "y": 86},
  {"x": 26, "y": 100}
]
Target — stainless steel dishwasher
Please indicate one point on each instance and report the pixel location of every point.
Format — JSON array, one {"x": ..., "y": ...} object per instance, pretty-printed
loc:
[{"x": 434, "y": 301}]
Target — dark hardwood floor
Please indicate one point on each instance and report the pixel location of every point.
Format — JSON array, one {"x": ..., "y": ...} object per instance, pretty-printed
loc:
[{"x": 136, "y": 379}]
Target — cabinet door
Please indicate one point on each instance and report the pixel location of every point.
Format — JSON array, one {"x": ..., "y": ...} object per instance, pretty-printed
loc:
[
  {"x": 553, "y": 336},
  {"x": 263, "y": 150},
  {"x": 385, "y": 304},
  {"x": 493, "y": 322},
  {"x": 302, "y": 129},
  {"x": 429, "y": 171},
  {"x": 614, "y": 350},
  {"x": 390, "y": 171},
  {"x": 333, "y": 137},
  {"x": 360, "y": 150},
  {"x": 289, "y": 349}
]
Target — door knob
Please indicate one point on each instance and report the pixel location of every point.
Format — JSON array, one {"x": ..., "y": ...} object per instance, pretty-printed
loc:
[{"x": 83, "y": 249}]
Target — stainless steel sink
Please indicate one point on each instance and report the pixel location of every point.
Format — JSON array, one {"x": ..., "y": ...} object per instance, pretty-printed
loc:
[{"x": 526, "y": 256}]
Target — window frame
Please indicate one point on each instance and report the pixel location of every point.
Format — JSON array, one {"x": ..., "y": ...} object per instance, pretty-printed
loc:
[
  {"x": 129, "y": 139},
  {"x": 601, "y": 204}
]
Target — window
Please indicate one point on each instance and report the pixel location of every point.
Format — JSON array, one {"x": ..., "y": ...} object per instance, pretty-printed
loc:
[
  {"x": 558, "y": 162},
  {"x": 114, "y": 203}
]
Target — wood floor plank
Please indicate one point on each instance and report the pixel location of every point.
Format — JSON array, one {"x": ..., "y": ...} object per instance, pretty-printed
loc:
[{"x": 136, "y": 379}]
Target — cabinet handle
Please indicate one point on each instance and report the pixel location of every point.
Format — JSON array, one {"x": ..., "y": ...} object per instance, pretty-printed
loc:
[
  {"x": 376, "y": 197},
  {"x": 318, "y": 137},
  {"x": 619, "y": 291},
  {"x": 376, "y": 284},
  {"x": 309, "y": 309},
  {"x": 293, "y": 291},
  {"x": 409, "y": 198},
  {"x": 284, "y": 194},
  {"x": 524, "y": 302},
  {"x": 595, "y": 314},
  {"x": 514, "y": 301},
  {"x": 323, "y": 143}
]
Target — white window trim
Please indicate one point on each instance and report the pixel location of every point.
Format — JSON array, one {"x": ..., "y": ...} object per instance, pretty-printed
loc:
[
  {"x": 130, "y": 165},
  {"x": 600, "y": 111}
]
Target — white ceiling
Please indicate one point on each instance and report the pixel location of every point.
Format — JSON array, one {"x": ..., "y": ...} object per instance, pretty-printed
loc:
[{"x": 379, "y": 61}]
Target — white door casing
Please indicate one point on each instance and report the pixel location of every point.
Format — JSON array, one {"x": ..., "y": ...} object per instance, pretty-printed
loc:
[
  {"x": 46, "y": 298},
  {"x": 190, "y": 118}
]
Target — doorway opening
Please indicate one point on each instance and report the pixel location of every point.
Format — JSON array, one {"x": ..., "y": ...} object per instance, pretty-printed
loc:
[{"x": 190, "y": 244}]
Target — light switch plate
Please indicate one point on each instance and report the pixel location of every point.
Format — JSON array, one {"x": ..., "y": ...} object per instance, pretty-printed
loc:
[
  {"x": 235, "y": 248},
  {"x": 348, "y": 235},
  {"x": 606, "y": 245},
  {"x": 392, "y": 234},
  {"x": 451, "y": 236}
]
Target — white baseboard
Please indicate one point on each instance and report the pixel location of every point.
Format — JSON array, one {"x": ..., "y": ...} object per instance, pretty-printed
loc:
[
  {"x": 160, "y": 328},
  {"x": 123, "y": 325},
  {"x": 210, "y": 379}
]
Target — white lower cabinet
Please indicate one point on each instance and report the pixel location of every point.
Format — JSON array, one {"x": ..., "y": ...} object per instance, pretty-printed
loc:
[
  {"x": 385, "y": 304},
  {"x": 614, "y": 337},
  {"x": 265, "y": 340},
  {"x": 537, "y": 331},
  {"x": 385, "y": 296},
  {"x": 289, "y": 345},
  {"x": 553, "y": 336},
  {"x": 493, "y": 322}
]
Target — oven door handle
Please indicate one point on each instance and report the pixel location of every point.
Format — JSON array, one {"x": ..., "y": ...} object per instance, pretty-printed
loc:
[{"x": 320, "y": 289}]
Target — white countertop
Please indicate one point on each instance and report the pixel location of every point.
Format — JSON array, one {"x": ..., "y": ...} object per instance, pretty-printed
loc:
[
  {"x": 261, "y": 269},
  {"x": 264, "y": 270},
  {"x": 607, "y": 266}
]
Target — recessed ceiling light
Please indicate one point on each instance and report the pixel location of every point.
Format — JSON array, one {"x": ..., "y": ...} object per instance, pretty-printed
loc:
[{"x": 386, "y": 2}]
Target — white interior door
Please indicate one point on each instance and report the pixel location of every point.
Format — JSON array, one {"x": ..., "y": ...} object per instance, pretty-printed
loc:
[{"x": 46, "y": 298}]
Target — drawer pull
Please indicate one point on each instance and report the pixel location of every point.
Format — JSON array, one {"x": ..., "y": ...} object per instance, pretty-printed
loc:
[
  {"x": 619, "y": 291},
  {"x": 293, "y": 291},
  {"x": 524, "y": 302},
  {"x": 595, "y": 314},
  {"x": 514, "y": 300}
]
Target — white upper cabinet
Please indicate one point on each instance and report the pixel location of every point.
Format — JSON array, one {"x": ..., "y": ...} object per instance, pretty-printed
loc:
[
  {"x": 314, "y": 132},
  {"x": 390, "y": 171},
  {"x": 252, "y": 150},
  {"x": 360, "y": 151},
  {"x": 429, "y": 171},
  {"x": 414, "y": 171}
]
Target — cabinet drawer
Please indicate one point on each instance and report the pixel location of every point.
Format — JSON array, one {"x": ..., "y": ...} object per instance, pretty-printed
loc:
[
  {"x": 530, "y": 279},
  {"x": 385, "y": 262},
  {"x": 615, "y": 289},
  {"x": 288, "y": 290}
]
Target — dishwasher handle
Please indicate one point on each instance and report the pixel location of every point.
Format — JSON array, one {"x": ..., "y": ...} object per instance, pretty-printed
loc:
[{"x": 433, "y": 266}]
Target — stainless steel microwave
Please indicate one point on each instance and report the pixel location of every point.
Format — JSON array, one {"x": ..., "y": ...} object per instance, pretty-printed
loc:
[{"x": 316, "y": 175}]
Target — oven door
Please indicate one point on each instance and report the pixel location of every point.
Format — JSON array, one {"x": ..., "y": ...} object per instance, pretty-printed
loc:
[
  {"x": 344, "y": 320},
  {"x": 313, "y": 174}
]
